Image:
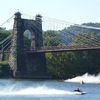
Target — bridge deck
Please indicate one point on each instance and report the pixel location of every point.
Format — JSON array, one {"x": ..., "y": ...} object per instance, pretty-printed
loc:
[
  {"x": 64, "y": 48},
  {"x": 59, "y": 49}
]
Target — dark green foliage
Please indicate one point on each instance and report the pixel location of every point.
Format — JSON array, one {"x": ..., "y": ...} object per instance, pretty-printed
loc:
[
  {"x": 4, "y": 33},
  {"x": 87, "y": 39},
  {"x": 60, "y": 64},
  {"x": 5, "y": 71},
  {"x": 27, "y": 43},
  {"x": 51, "y": 38},
  {"x": 65, "y": 64},
  {"x": 71, "y": 64},
  {"x": 4, "y": 66}
]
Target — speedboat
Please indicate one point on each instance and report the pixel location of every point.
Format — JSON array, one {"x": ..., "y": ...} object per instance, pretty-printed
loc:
[{"x": 79, "y": 92}]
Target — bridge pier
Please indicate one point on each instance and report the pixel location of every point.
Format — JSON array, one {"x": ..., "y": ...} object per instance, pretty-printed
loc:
[
  {"x": 27, "y": 64},
  {"x": 36, "y": 65},
  {"x": 31, "y": 65}
]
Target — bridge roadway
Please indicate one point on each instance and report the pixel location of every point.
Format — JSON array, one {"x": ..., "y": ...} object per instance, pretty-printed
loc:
[
  {"x": 63, "y": 49},
  {"x": 59, "y": 49}
]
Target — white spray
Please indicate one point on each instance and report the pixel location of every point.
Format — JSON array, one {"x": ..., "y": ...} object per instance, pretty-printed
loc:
[{"x": 86, "y": 78}]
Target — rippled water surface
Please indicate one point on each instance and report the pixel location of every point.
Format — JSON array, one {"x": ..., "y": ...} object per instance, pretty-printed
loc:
[{"x": 11, "y": 89}]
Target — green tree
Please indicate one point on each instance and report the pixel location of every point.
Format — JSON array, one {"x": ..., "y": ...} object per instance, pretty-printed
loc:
[
  {"x": 4, "y": 33},
  {"x": 51, "y": 38}
]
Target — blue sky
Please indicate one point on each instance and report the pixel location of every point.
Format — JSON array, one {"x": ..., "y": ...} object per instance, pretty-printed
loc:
[{"x": 75, "y": 11}]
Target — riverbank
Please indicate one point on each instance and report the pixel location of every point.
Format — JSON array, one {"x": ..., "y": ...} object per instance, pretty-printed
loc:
[{"x": 5, "y": 71}]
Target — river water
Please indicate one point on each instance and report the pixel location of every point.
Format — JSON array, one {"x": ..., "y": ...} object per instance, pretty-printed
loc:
[{"x": 11, "y": 89}]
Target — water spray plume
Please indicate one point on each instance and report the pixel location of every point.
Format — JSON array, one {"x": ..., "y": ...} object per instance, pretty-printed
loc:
[
  {"x": 41, "y": 90},
  {"x": 86, "y": 78}
]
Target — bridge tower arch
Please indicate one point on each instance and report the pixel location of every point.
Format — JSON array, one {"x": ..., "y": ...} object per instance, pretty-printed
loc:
[{"x": 26, "y": 64}]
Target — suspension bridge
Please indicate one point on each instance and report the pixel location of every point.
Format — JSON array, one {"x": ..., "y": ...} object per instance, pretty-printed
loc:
[{"x": 30, "y": 61}]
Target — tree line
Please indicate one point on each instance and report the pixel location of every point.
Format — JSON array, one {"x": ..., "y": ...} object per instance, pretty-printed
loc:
[
  {"x": 66, "y": 64},
  {"x": 70, "y": 64}
]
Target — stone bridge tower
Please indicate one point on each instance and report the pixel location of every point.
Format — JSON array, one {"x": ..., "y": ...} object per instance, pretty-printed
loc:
[{"x": 27, "y": 64}]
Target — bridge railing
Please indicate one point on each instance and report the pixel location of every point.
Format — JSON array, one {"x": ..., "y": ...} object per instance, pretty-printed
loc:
[
  {"x": 63, "y": 48},
  {"x": 66, "y": 47}
]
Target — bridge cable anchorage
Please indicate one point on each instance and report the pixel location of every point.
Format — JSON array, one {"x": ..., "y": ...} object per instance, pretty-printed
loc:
[{"x": 7, "y": 21}]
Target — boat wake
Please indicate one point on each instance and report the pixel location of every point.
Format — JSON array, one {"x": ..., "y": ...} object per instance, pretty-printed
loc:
[
  {"x": 86, "y": 78},
  {"x": 36, "y": 91}
]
